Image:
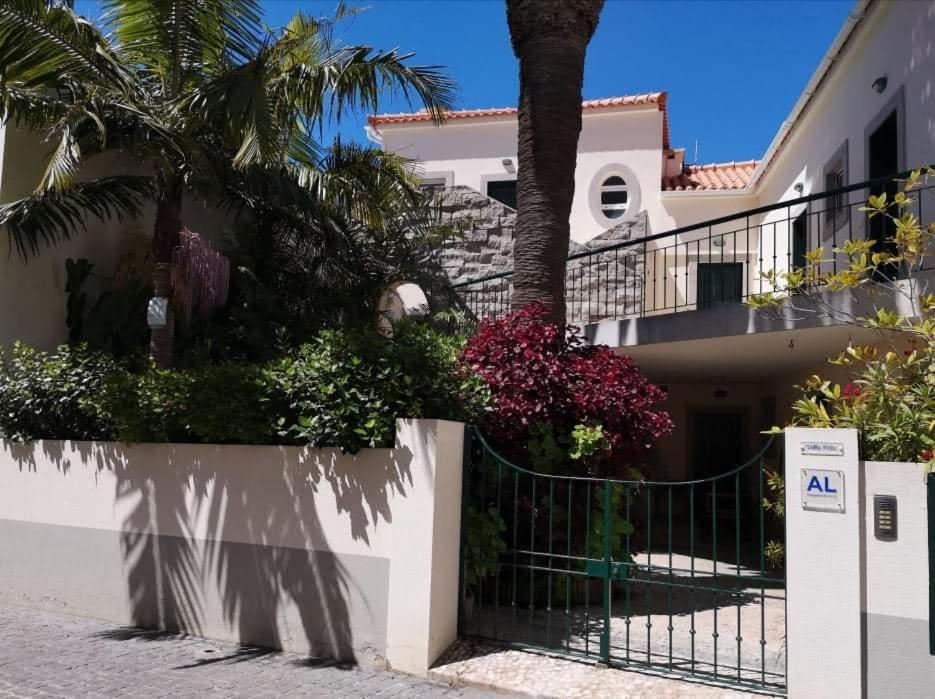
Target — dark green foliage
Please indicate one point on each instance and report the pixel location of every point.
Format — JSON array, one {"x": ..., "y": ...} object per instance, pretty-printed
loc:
[
  {"x": 115, "y": 322},
  {"x": 484, "y": 544},
  {"x": 54, "y": 395},
  {"x": 76, "y": 274},
  {"x": 343, "y": 390},
  {"x": 337, "y": 390},
  {"x": 223, "y": 404},
  {"x": 347, "y": 389}
]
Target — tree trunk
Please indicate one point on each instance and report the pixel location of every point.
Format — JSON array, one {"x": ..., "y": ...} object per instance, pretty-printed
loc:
[
  {"x": 165, "y": 239},
  {"x": 550, "y": 38}
]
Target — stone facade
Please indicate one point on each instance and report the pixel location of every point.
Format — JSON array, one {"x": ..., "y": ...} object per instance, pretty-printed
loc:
[{"x": 601, "y": 285}]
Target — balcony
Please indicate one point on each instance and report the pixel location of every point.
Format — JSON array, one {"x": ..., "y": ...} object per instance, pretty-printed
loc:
[{"x": 630, "y": 292}]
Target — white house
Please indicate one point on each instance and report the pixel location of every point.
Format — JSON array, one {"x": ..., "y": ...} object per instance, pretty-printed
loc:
[
  {"x": 626, "y": 163},
  {"x": 668, "y": 290},
  {"x": 664, "y": 250}
]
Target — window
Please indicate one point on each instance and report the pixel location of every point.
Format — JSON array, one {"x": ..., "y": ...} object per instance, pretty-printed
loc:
[
  {"x": 719, "y": 282},
  {"x": 615, "y": 197},
  {"x": 504, "y": 191},
  {"x": 837, "y": 211},
  {"x": 432, "y": 185}
]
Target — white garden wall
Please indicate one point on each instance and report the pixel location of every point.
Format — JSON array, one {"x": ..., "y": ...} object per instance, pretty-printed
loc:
[
  {"x": 314, "y": 551},
  {"x": 896, "y": 611},
  {"x": 858, "y": 603}
]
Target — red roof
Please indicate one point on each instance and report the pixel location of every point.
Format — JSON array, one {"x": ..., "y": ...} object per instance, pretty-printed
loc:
[
  {"x": 716, "y": 176},
  {"x": 656, "y": 98}
]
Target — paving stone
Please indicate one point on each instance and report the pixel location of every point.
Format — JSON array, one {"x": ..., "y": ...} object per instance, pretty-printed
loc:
[
  {"x": 546, "y": 676},
  {"x": 51, "y": 655}
]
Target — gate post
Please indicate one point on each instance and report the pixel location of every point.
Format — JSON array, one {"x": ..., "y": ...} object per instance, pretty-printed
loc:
[
  {"x": 823, "y": 563},
  {"x": 422, "y": 595}
]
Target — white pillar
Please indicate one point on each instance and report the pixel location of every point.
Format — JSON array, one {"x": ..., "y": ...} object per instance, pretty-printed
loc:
[
  {"x": 823, "y": 566},
  {"x": 422, "y": 613}
]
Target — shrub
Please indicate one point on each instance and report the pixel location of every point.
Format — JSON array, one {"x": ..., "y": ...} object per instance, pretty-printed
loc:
[
  {"x": 343, "y": 390},
  {"x": 433, "y": 385},
  {"x": 224, "y": 404},
  {"x": 347, "y": 389},
  {"x": 53, "y": 395},
  {"x": 891, "y": 397},
  {"x": 891, "y": 400},
  {"x": 542, "y": 374}
]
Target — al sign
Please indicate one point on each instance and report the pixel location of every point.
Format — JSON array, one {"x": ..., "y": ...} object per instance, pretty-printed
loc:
[{"x": 822, "y": 490}]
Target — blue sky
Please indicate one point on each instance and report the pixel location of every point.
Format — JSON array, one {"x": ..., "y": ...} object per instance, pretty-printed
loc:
[{"x": 733, "y": 68}]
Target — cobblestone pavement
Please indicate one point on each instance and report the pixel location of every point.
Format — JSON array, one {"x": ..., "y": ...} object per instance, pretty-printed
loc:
[
  {"x": 544, "y": 676},
  {"x": 44, "y": 654}
]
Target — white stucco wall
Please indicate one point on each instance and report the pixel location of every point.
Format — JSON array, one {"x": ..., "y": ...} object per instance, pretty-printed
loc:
[
  {"x": 311, "y": 550},
  {"x": 896, "y": 40},
  {"x": 897, "y": 585},
  {"x": 38, "y": 284},
  {"x": 471, "y": 153},
  {"x": 823, "y": 571}
]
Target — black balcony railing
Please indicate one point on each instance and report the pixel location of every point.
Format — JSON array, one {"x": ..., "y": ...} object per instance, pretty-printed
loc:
[{"x": 717, "y": 261}]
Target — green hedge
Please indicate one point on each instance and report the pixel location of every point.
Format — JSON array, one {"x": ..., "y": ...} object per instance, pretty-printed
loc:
[{"x": 343, "y": 390}]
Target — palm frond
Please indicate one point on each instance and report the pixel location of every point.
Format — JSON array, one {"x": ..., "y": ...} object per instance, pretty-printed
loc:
[
  {"x": 49, "y": 46},
  {"x": 175, "y": 39},
  {"x": 238, "y": 105},
  {"x": 51, "y": 216},
  {"x": 357, "y": 76},
  {"x": 63, "y": 166},
  {"x": 29, "y": 108},
  {"x": 371, "y": 185}
]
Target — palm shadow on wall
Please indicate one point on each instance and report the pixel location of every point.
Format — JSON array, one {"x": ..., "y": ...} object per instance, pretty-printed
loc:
[{"x": 191, "y": 512}]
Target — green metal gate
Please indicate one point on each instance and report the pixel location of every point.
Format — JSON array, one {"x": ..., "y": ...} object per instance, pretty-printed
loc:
[{"x": 662, "y": 577}]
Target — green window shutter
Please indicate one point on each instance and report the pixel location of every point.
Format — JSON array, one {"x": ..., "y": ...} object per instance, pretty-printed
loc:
[{"x": 719, "y": 282}]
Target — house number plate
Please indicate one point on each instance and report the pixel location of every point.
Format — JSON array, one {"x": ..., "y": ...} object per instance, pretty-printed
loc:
[{"x": 823, "y": 448}]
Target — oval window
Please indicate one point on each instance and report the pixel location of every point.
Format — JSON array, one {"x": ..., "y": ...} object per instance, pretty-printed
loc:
[{"x": 614, "y": 197}]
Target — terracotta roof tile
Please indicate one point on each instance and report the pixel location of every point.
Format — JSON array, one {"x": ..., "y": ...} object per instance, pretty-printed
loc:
[
  {"x": 716, "y": 176},
  {"x": 657, "y": 98}
]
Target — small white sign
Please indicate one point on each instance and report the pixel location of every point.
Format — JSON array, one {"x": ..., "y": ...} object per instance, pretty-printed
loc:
[
  {"x": 822, "y": 490},
  {"x": 823, "y": 448}
]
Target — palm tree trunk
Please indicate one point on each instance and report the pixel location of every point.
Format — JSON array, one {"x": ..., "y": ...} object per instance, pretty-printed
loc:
[
  {"x": 166, "y": 232},
  {"x": 550, "y": 38}
]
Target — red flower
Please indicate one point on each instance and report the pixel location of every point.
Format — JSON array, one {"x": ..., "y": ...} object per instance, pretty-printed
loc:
[
  {"x": 850, "y": 391},
  {"x": 926, "y": 455}
]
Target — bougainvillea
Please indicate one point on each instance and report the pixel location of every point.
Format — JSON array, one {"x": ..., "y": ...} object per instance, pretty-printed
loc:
[
  {"x": 543, "y": 374},
  {"x": 200, "y": 276}
]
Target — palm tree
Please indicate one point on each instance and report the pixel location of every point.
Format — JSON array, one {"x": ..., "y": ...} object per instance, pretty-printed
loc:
[
  {"x": 549, "y": 38},
  {"x": 210, "y": 101}
]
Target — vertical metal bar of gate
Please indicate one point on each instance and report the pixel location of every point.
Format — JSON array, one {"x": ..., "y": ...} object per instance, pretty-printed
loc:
[
  {"x": 653, "y": 571},
  {"x": 608, "y": 561},
  {"x": 930, "y": 484}
]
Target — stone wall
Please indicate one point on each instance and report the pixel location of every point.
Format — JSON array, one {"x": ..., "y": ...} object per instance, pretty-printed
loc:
[{"x": 601, "y": 285}]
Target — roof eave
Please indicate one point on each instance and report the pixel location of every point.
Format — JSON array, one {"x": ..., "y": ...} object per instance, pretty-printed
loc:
[
  {"x": 854, "y": 19},
  {"x": 706, "y": 193}
]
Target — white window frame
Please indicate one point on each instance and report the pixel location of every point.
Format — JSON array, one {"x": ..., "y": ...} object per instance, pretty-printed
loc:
[
  {"x": 836, "y": 217},
  {"x": 446, "y": 176},
  {"x": 631, "y": 182}
]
